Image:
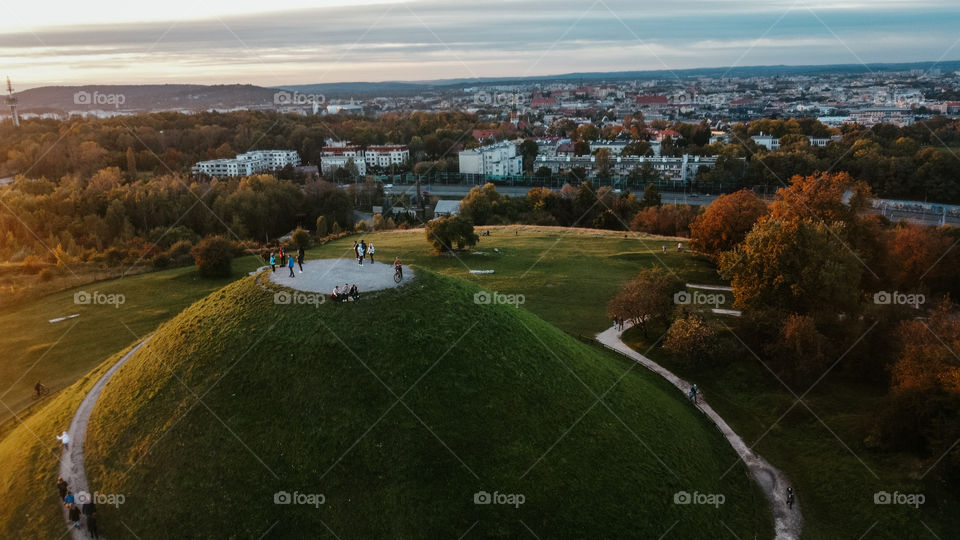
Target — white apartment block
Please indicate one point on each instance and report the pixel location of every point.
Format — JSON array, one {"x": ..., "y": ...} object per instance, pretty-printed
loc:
[
  {"x": 678, "y": 169},
  {"x": 338, "y": 153},
  {"x": 253, "y": 162},
  {"x": 386, "y": 155},
  {"x": 499, "y": 159}
]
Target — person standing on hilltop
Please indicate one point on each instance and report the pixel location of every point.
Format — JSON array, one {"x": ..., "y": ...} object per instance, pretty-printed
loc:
[
  {"x": 290, "y": 262},
  {"x": 300, "y": 255},
  {"x": 273, "y": 262},
  {"x": 370, "y": 251}
]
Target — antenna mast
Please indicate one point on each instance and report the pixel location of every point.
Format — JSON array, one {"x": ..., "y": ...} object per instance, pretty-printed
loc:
[{"x": 12, "y": 102}]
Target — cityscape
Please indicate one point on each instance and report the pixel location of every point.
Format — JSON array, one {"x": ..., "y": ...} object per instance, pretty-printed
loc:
[{"x": 431, "y": 269}]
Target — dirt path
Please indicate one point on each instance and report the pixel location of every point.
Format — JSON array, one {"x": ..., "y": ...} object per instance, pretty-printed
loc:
[
  {"x": 787, "y": 523},
  {"x": 71, "y": 462}
]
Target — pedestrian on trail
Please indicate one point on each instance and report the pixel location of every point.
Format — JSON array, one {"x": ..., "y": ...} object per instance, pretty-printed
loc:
[
  {"x": 69, "y": 499},
  {"x": 65, "y": 439},
  {"x": 290, "y": 262},
  {"x": 370, "y": 251},
  {"x": 790, "y": 497},
  {"x": 74, "y": 514},
  {"x": 273, "y": 262},
  {"x": 89, "y": 507},
  {"x": 61, "y": 487},
  {"x": 300, "y": 255},
  {"x": 92, "y": 526},
  {"x": 693, "y": 392}
]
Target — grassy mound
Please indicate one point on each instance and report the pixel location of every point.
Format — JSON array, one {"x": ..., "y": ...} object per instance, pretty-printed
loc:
[{"x": 398, "y": 409}]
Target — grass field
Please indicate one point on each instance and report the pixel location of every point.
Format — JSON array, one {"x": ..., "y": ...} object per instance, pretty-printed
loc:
[
  {"x": 304, "y": 399},
  {"x": 823, "y": 451},
  {"x": 57, "y": 354}
]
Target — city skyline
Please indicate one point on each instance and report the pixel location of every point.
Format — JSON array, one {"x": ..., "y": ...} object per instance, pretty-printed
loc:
[{"x": 221, "y": 43}]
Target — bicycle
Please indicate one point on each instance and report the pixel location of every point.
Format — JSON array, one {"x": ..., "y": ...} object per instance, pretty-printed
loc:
[{"x": 398, "y": 275}]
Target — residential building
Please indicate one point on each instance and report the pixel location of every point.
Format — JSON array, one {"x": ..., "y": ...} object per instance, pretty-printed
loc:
[
  {"x": 249, "y": 163},
  {"x": 499, "y": 159}
]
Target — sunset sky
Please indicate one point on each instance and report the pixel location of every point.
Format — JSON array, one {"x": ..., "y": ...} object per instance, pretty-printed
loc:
[{"x": 298, "y": 41}]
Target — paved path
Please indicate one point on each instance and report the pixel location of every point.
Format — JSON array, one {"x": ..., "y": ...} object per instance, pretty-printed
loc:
[
  {"x": 72, "y": 461},
  {"x": 322, "y": 275},
  {"x": 787, "y": 523}
]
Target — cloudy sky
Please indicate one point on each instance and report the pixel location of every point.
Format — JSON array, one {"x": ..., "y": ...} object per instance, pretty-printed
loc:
[{"x": 298, "y": 41}]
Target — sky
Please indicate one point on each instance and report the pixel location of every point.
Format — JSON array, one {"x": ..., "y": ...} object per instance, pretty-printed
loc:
[{"x": 284, "y": 42}]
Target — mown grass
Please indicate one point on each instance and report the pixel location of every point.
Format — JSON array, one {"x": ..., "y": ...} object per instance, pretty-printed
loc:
[
  {"x": 33, "y": 349},
  {"x": 30, "y": 456},
  {"x": 820, "y": 448},
  {"x": 304, "y": 399}
]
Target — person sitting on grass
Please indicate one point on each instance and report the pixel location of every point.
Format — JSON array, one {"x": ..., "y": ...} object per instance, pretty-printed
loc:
[
  {"x": 354, "y": 293},
  {"x": 336, "y": 293}
]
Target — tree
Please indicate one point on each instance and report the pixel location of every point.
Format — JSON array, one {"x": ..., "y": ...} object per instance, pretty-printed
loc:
[
  {"x": 529, "y": 150},
  {"x": 646, "y": 298},
  {"x": 321, "y": 227},
  {"x": 480, "y": 204},
  {"x": 651, "y": 196},
  {"x": 827, "y": 197},
  {"x": 446, "y": 232},
  {"x": 301, "y": 238},
  {"x": 926, "y": 360},
  {"x": 690, "y": 338},
  {"x": 667, "y": 220},
  {"x": 726, "y": 222},
  {"x": 796, "y": 266},
  {"x": 213, "y": 257},
  {"x": 799, "y": 350},
  {"x": 131, "y": 164}
]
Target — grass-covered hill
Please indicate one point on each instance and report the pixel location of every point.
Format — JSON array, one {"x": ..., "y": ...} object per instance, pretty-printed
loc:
[{"x": 398, "y": 409}]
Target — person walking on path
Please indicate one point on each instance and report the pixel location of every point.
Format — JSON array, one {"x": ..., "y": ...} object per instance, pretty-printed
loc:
[
  {"x": 693, "y": 393},
  {"x": 790, "y": 497},
  {"x": 370, "y": 251},
  {"x": 290, "y": 262},
  {"x": 75, "y": 516},
  {"x": 69, "y": 499},
  {"x": 61, "y": 487},
  {"x": 92, "y": 526},
  {"x": 273, "y": 262},
  {"x": 65, "y": 439},
  {"x": 300, "y": 255}
]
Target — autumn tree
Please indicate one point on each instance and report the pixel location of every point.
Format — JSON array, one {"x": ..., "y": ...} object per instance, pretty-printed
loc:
[
  {"x": 726, "y": 222},
  {"x": 213, "y": 256},
  {"x": 690, "y": 338},
  {"x": 446, "y": 232},
  {"x": 799, "y": 351},
  {"x": 795, "y": 266},
  {"x": 825, "y": 197},
  {"x": 646, "y": 298},
  {"x": 480, "y": 204}
]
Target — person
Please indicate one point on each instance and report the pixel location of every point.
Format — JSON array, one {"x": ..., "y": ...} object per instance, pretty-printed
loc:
[
  {"x": 345, "y": 293},
  {"x": 370, "y": 251},
  {"x": 398, "y": 266},
  {"x": 273, "y": 262},
  {"x": 664, "y": 248},
  {"x": 38, "y": 389},
  {"x": 61, "y": 487},
  {"x": 336, "y": 293},
  {"x": 92, "y": 526},
  {"x": 693, "y": 393},
  {"x": 75, "y": 515},
  {"x": 363, "y": 247},
  {"x": 300, "y": 255},
  {"x": 679, "y": 246},
  {"x": 290, "y": 262},
  {"x": 69, "y": 498},
  {"x": 354, "y": 293},
  {"x": 65, "y": 439},
  {"x": 790, "y": 497},
  {"x": 360, "y": 254}
]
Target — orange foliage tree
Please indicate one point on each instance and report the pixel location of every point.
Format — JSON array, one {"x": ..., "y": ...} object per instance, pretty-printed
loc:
[{"x": 726, "y": 222}]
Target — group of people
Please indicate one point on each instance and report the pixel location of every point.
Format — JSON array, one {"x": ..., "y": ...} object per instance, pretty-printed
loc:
[
  {"x": 362, "y": 249},
  {"x": 283, "y": 259},
  {"x": 618, "y": 324},
  {"x": 77, "y": 510},
  {"x": 348, "y": 292}
]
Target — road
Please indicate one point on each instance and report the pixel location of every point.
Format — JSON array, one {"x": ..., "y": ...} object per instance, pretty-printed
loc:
[{"x": 459, "y": 190}]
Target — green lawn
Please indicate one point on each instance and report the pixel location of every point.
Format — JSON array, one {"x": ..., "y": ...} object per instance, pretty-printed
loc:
[
  {"x": 823, "y": 451},
  {"x": 58, "y": 354},
  {"x": 493, "y": 399}
]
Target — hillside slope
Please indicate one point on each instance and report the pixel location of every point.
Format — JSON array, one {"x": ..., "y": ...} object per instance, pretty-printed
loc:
[{"x": 398, "y": 409}]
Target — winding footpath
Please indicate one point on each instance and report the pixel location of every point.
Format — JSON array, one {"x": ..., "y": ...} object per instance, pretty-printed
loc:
[
  {"x": 787, "y": 522},
  {"x": 72, "y": 461}
]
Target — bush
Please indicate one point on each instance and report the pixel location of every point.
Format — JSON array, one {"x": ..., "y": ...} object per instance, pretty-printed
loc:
[
  {"x": 161, "y": 261},
  {"x": 45, "y": 275},
  {"x": 213, "y": 256},
  {"x": 321, "y": 227},
  {"x": 690, "y": 338},
  {"x": 361, "y": 226},
  {"x": 336, "y": 229}
]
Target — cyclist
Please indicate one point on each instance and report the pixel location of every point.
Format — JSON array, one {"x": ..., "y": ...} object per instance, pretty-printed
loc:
[
  {"x": 398, "y": 267},
  {"x": 39, "y": 389}
]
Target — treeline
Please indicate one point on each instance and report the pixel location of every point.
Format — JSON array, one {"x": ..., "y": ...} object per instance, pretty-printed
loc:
[{"x": 108, "y": 216}]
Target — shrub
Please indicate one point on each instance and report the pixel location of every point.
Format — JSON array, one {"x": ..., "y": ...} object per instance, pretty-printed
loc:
[
  {"x": 213, "y": 256},
  {"x": 45, "y": 275},
  {"x": 690, "y": 338},
  {"x": 361, "y": 226},
  {"x": 336, "y": 228},
  {"x": 446, "y": 232},
  {"x": 301, "y": 238},
  {"x": 322, "y": 229}
]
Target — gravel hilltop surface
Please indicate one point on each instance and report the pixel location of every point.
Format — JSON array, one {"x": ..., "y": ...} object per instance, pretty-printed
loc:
[{"x": 322, "y": 275}]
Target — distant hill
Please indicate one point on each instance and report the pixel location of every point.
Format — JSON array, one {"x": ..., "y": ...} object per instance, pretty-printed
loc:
[{"x": 148, "y": 97}]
